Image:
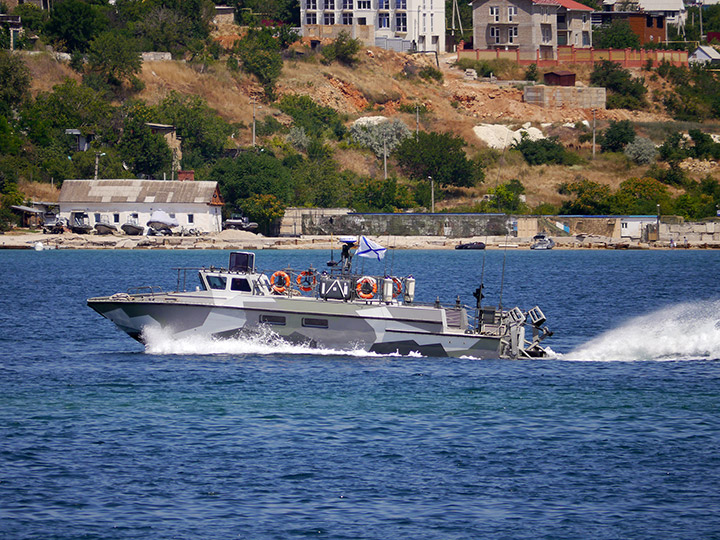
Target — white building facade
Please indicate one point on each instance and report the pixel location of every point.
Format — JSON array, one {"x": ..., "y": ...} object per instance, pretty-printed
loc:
[
  {"x": 394, "y": 24},
  {"x": 195, "y": 205}
]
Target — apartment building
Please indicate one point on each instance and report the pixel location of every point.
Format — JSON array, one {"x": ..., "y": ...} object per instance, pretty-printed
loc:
[
  {"x": 396, "y": 24},
  {"x": 531, "y": 26}
]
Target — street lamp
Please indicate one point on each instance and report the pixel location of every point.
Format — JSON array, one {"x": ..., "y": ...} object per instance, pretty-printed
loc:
[{"x": 97, "y": 162}]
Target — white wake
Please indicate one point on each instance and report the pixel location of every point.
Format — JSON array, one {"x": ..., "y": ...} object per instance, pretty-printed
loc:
[
  {"x": 680, "y": 332},
  {"x": 265, "y": 342}
]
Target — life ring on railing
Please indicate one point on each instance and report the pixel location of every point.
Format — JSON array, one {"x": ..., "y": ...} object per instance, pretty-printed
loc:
[
  {"x": 366, "y": 288},
  {"x": 285, "y": 282},
  {"x": 306, "y": 280},
  {"x": 397, "y": 286}
]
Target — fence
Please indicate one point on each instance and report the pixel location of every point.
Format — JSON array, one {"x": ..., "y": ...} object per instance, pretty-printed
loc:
[{"x": 571, "y": 55}]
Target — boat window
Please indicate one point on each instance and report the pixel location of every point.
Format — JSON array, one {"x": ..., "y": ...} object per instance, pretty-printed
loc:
[
  {"x": 216, "y": 282},
  {"x": 203, "y": 287},
  {"x": 240, "y": 284},
  {"x": 314, "y": 323},
  {"x": 273, "y": 319}
]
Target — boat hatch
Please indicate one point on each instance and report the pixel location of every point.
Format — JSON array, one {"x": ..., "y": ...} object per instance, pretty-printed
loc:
[{"x": 241, "y": 261}]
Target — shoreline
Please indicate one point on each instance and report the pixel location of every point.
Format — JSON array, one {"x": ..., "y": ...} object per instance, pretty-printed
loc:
[{"x": 242, "y": 240}]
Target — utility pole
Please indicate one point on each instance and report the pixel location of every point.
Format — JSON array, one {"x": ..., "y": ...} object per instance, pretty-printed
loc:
[
  {"x": 97, "y": 162},
  {"x": 385, "y": 155},
  {"x": 593, "y": 133},
  {"x": 432, "y": 194},
  {"x": 253, "y": 128},
  {"x": 417, "y": 122}
]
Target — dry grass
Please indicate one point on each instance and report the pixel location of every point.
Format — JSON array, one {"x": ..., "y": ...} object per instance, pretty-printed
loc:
[
  {"x": 47, "y": 72},
  {"x": 38, "y": 191}
]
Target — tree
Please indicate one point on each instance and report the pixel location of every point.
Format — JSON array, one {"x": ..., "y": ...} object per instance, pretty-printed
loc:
[
  {"x": 14, "y": 82},
  {"x": 263, "y": 209},
  {"x": 146, "y": 152},
  {"x": 378, "y": 195},
  {"x": 440, "y": 156},
  {"x": 251, "y": 173},
  {"x": 316, "y": 120},
  {"x": 642, "y": 151},
  {"x": 639, "y": 196},
  {"x": 617, "y": 136},
  {"x": 589, "y": 198},
  {"x": 259, "y": 52},
  {"x": 344, "y": 49},
  {"x": 544, "y": 151},
  {"x": 73, "y": 24},
  {"x": 115, "y": 57},
  {"x": 380, "y": 137},
  {"x": 626, "y": 92},
  {"x": 617, "y": 35},
  {"x": 204, "y": 133},
  {"x": 507, "y": 196}
]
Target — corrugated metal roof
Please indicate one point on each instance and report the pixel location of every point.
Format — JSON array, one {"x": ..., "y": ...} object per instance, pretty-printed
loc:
[
  {"x": 136, "y": 191},
  {"x": 662, "y": 5}
]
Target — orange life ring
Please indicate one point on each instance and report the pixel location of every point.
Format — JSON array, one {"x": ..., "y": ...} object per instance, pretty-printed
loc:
[
  {"x": 282, "y": 276},
  {"x": 366, "y": 288},
  {"x": 306, "y": 280},
  {"x": 397, "y": 286}
]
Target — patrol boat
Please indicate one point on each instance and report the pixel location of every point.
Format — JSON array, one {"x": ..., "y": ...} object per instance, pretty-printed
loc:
[{"x": 332, "y": 309}]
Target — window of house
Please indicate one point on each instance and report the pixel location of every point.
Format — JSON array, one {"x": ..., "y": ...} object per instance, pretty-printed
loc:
[
  {"x": 347, "y": 4},
  {"x": 512, "y": 34},
  {"x": 310, "y": 4},
  {"x": 546, "y": 34},
  {"x": 401, "y": 22},
  {"x": 347, "y": 19},
  {"x": 384, "y": 4},
  {"x": 512, "y": 13},
  {"x": 432, "y": 23},
  {"x": 586, "y": 39},
  {"x": 424, "y": 23},
  {"x": 561, "y": 19},
  {"x": 191, "y": 218},
  {"x": 494, "y": 13},
  {"x": 116, "y": 218},
  {"x": 98, "y": 218},
  {"x": 584, "y": 18},
  {"x": 495, "y": 34},
  {"x": 660, "y": 22},
  {"x": 311, "y": 18},
  {"x": 401, "y": 4},
  {"x": 329, "y": 18},
  {"x": 384, "y": 20},
  {"x": 363, "y": 4},
  {"x": 329, "y": 4}
]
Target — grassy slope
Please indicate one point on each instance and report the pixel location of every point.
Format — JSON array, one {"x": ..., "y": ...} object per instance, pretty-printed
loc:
[{"x": 378, "y": 86}]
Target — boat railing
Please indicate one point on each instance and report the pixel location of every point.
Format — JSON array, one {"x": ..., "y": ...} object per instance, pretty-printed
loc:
[
  {"x": 182, "y": 272},
  {"x": 146, "y": 290}
]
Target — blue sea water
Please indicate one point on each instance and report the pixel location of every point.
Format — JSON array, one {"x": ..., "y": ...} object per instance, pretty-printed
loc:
[{"x": 616, "y": 437}]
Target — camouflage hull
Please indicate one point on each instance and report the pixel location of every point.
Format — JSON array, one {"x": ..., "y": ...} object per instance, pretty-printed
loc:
[{"x": 371, "y": 326}]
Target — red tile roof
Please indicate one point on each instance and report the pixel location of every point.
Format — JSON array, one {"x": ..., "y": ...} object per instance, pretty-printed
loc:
[{"x": 571, "y": 5}]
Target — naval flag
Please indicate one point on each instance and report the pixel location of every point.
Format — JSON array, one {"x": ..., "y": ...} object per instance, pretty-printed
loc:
[{"x": 370, "y": 249}]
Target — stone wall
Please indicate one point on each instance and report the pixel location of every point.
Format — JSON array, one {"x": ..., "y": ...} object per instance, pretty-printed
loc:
[{"x": 576, "y": 97}]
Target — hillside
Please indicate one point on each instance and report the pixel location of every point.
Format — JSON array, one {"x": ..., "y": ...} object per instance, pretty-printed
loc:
[{"x": 382, "y": 84}]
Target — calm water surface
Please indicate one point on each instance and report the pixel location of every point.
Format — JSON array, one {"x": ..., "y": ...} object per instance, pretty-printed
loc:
[{"x": 617, "y": 437}]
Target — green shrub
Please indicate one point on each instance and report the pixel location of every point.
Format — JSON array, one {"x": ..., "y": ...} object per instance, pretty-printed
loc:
[
  {"x": 431, "y": 73},
  {"x": 642, "y": 151},
  {"x": 344, "y": 49},
  {"x": 617, "y": 136},
  {"x": 545, "y": 151}
]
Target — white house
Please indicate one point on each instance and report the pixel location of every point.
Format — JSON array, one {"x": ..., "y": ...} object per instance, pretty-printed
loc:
[
  {"x": 195, "y": 205},
  {"x": 635, "y": 227},
  {"x": 704, "y": 54},
  {"x": 392, "y": 24}
]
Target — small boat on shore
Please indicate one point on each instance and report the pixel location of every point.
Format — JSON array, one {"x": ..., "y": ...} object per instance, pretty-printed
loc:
[
  {"x": 132, "y": 228},
  {"x": 240, "y": 222},
  {"x": 105, "y": 227},
  {"x": 161, "y": 223},
  {"x": 335, "y": 309},
  {"x": 542, "y": 241},
  {"x": 471, "y": 245},
  {"x": 80, "y": 223}
]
